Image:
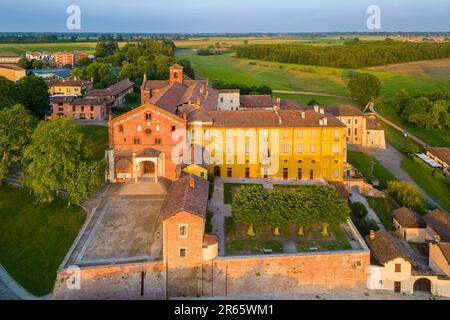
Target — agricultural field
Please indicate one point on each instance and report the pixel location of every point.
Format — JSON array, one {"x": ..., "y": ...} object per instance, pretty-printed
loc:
[{"x": 22, "y": 48}]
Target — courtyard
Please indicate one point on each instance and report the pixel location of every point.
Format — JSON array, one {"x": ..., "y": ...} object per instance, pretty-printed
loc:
[{"x": 123, "y": 227}]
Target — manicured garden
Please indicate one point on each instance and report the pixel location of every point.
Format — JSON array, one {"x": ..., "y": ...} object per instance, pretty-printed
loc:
[
  {"x": 34, "y": 237},
  {"x": 229, "y": 189},
  {"x": 370, "y": 168}
]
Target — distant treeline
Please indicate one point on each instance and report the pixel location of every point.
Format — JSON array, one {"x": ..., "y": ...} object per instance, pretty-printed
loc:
[
  {"x": 244, "y": 89},
  {"x": 356, "y": 55},
  {"x": 209, "y": 52}
]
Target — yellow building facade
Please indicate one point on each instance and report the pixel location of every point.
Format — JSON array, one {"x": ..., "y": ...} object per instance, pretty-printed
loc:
[
  {"x": 295, "y": 152},
  {"x": 12, "y": 72},
  {"x": 74, "y": 87}
]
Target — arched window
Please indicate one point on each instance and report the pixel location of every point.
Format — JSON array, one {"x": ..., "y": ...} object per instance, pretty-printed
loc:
[
  {"x": 157, "y": 128},
  {"x": 139, "y": 128}
]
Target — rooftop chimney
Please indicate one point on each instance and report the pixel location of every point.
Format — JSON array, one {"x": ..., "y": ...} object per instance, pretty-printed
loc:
[
  {"x": 321, "y": 110},
  {"x": 316, "y": 108},
  {"x": 320, "y": 122},
  {"x": 372, "y": 235},
  {"x": 303, "y": 114},
  {"x": 192, "y": 183},
  {"x": 437, "y": 238},
  {"x": 325, "y": 121}
]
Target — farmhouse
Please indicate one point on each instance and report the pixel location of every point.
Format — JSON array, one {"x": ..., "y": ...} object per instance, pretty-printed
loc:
[
  {"x": 81, "y": 108},
  {"x": 441, "y": 156},
  {"x": 409, "y": 225}
]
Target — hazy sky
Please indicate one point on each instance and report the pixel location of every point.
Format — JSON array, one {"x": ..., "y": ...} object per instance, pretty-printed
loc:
[{"x": 224, "y": 15}]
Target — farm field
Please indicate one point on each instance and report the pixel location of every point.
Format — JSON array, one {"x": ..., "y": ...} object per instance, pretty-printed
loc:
[
  {"x": 22, "y": 48},
  {"x": 293, "y": 77}
]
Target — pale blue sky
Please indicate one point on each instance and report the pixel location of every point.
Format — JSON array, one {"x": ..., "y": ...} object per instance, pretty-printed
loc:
[{"x": 224, "y": 15}]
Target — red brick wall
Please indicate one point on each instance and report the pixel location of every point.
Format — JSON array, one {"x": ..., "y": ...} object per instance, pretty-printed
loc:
[{"x": 123, "y": 143}]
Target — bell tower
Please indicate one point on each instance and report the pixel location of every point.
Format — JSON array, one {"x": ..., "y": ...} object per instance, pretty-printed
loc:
[{"x": 176, "y": 74}]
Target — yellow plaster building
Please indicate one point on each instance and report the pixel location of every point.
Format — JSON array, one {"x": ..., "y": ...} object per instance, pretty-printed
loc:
[
  {"x": 74, "y": 87},
  {"x": 12, "y": 72}
]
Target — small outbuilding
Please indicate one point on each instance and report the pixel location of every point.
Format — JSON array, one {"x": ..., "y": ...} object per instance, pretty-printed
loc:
[{"x": 409, "y": 225}]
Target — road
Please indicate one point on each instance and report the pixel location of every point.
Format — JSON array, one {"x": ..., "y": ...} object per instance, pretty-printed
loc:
[{"x": 398, "y": 128}]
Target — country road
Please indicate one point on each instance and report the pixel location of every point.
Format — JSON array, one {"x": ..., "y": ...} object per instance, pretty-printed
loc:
[{"x": 398, "y": 128}]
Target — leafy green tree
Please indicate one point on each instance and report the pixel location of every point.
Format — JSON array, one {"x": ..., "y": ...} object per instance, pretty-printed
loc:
[
  {"x": 16, "y": 127},
  {"x": 277, "y": 213},
  {"x": 56, "y": 159},
  {"x": 407, "y": 194},
  {"x": 128, "y": 71},
  {"x": 104, "y": 49},
  {"x": 249, "y": 206},
  {"x": 410, "y": 148},
  {"x": 364, "y": 87},
  {"x": 84, "y": 62},
  {"x": 304, "y": 212},
  {"x": 401, "y": 100},
  {"x": 6, "y": 92},
  {"x": 358, "y": 210},
  {"x": 32, "y": 92},
  {"x": 332, "y": 208},
  {"x": 23, "y": 63}
]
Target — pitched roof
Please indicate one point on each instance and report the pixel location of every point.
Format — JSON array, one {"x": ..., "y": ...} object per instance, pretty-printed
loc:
[
  {"x": 385, "y": 248},
  {"x": 11, "y": 67},
  {"x": 70, "y": 83},
  {"x": 79, "y": 100},
  {"x": 439, "y": 222},
  {"x": 176, "y": 66},
  {"x": 441, "y": 153},
  {"x": 9, "y": 55},
  {"x": 148, "y": 152},
  {"x": 190, "y": 194},
  {"x": 373, "y": 125},
  {"x": 257, "y": 101},
  {"x": 344, "y": 111},
  {"x": 408, "y": 218},
  {"x": 112, "y": 90},
  {"x": 445, "y": 249},
  {"x": 270, "y": 118},
  {"x": 168, "y": 98}
]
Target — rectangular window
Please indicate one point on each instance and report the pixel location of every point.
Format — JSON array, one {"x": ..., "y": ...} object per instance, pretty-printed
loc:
[
  {"x": 349, "y": 132},
  {"x": 183, "y": 252},
  {"x": 182, "y": 231},
  {"x": 356, "y": 121},
  {"x": 299, "y": 148},
  {"x": 206, "y": 134},
  {"x": 247, "y": 173},
  {"x": 148, "y": 116},
  {"x": 121, "y": 128},
  {"x": 299, "y": 174},
  {"x": 336, "y": 173},
  {"x": 92, "y": 108},
  {"x": 356, "y": 131},
  {"x": 82, "y": 108},
  {"x": 313, "y": 134},
  {"x": 229, "y": 148},
  {"x": 300, "y": 134},
  {"x": 336, "y": 148},
  {"x": 229, "y": 172},
  {"x": 137, "y": 141},
  {"x": 336, "y": 135},
  {"x": 221, "y": 99},
  {"x": 398, "y": 267},
  {"x": 349, "y": 121},
  {"x": 285, "y": 133},
  {"x": 73, "y": 108},
  {"x": 174, "y": 128},
  {"x": 247, "y": 148},
  {"x": 311, "y": 174},
  {"x": 158, "y": 141},
  {"x": 312, "y": 148},
  {"x": 285, "y": 148}
]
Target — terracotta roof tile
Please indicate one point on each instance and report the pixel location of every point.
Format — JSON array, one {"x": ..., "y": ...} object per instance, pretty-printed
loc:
[
  {"x": 385, "y": 248},
  {"x": 408, "y": 218},
  {"x": 344, "y": 110},
  {"x": 439, "y": 222},
  {"x": 113, "y": 90},
  {"x": 190, "y": 194},
  {"x": 70, "y": 83},
  {"x": 445, "y": 249},
  {"x": 11, "y": 67},
  {"x": 441, "y": 153}
]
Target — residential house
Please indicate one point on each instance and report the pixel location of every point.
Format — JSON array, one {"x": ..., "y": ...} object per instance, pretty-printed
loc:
[
  {"x": 68, "y": 58},
  {"x": 438, "y": 226},
  {"x": 40, "y": 55},
  {"x": 117, "y": 91},
  {"x": 80, "y": 108},
  {"x": 409, "y": 225},
  {"x": 12, "y": 72},
  {"x": 77, "y": 87},
  {"x": 9, "y": 57}
]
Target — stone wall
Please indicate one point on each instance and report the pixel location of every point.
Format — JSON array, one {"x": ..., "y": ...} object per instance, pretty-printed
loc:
[
  {"x": 113, "y": 282},
  {"x": 310, "y": 273}
]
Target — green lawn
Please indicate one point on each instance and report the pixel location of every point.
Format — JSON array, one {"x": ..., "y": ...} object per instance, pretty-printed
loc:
[
  {"x": 435, "y": 185},
  {"x": 22, "y": 48},
  {"x": 436, "y": 138},
  {"x": 323, "y": 101},
  {"x": 230, "y": 188},
  {"x": 341, "y": 242},
  {"x": 34, "y": 238},
  {"x": 252, "y": 246},
  {"x": 97, "y": 139},
  {"x": 370, "y": 168},
  {"x": 383, "y": 208}
]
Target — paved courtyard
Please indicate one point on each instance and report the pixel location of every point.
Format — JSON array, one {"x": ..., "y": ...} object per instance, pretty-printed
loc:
[{"x": 122, "y": 227}]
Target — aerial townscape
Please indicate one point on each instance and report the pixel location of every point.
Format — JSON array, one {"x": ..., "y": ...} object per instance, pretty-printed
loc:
[{"x": 156, "y": 166}]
